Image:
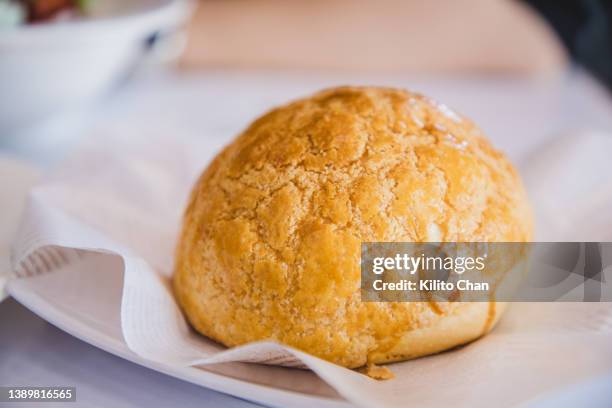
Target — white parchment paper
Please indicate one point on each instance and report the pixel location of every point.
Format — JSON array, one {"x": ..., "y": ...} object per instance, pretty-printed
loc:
[{"x": 123, "y": 196}]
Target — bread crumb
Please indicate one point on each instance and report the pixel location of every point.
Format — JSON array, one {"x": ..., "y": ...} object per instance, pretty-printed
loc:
[{"x": 380, "y": 373}]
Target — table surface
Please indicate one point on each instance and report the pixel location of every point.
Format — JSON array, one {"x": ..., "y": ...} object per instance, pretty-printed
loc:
[{"x": 516, "y": 114}]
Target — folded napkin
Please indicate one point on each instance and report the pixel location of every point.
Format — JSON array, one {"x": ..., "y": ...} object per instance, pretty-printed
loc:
[{"x": 16, "y": 178}]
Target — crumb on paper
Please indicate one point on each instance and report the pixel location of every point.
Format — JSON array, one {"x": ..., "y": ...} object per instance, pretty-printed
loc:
[{"x": 376, "y": 372}]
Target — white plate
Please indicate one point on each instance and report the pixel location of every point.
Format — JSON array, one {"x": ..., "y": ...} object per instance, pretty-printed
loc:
[{"x": 89, "y": 318}]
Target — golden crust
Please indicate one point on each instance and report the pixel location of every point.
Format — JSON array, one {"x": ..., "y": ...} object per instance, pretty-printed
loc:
[{"x": 271, "y": 237}]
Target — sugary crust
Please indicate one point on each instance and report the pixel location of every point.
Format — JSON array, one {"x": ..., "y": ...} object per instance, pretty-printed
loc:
[{"x": 271, "y": 237}]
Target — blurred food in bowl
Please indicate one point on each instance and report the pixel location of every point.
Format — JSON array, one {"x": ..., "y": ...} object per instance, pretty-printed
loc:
[
  {"x": 16, "y": 12},
  {"x": 49, "y": 68}
]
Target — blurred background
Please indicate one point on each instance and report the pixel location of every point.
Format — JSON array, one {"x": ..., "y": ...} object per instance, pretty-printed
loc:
[{"x": 524, "y": 70}]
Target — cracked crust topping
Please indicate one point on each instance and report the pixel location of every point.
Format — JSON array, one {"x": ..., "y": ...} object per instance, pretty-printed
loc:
[{"x": 271, "y": 238}]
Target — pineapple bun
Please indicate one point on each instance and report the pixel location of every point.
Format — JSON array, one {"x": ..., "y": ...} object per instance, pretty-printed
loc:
[{"x": 270, "y": 243}]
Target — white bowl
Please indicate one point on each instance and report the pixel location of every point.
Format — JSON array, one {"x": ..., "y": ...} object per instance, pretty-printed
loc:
[{"x": 51, "y": 67}]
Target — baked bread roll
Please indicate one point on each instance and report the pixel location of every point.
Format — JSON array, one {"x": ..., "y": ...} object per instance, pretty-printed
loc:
[{"x": 270, "y": 245}]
